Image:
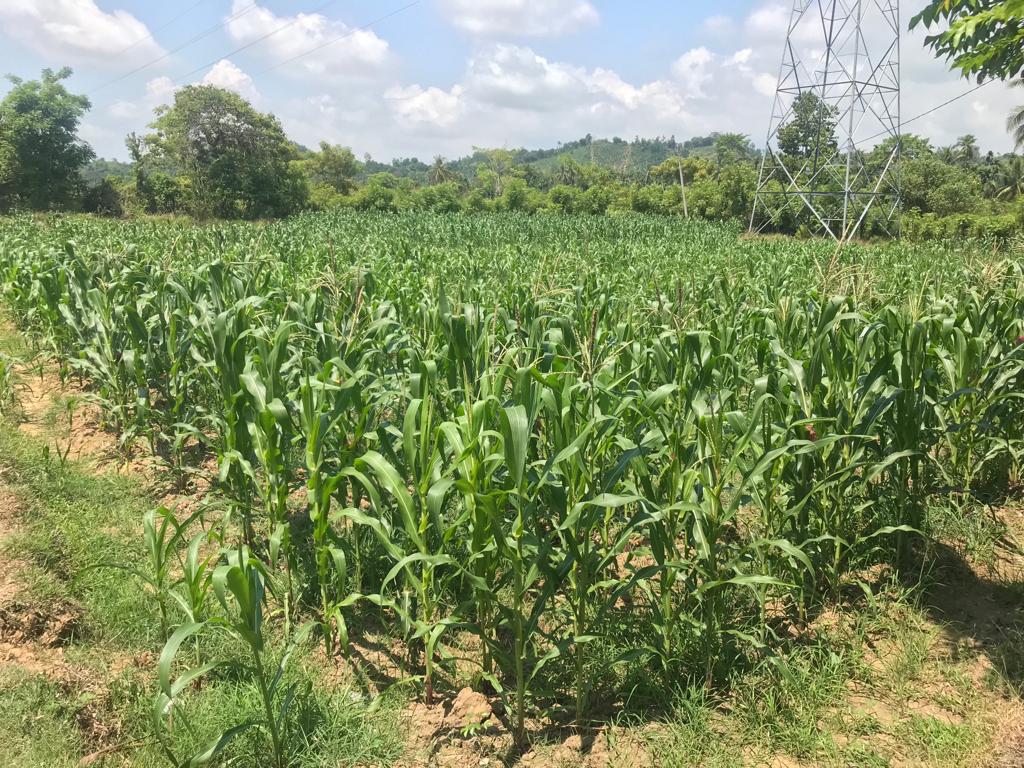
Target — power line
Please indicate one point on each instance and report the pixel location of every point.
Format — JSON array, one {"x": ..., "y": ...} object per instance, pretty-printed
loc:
[
  {"x": 927, "y": 112},
  {"x": 187, "y": 43},
  {"x": 263, "y": 37},
  {"x": 334, "y": 40},
  {"x": 251, "y": 43},
  {"x": 948, "y": 101},
  {"x": 150, "y": 33}
]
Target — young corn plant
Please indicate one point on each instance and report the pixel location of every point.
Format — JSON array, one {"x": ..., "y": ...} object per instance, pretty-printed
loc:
[
  {"x": 240, "y": 588},
  {"x": 419, "y": 536},
  {"x": 163, "y": 535}
]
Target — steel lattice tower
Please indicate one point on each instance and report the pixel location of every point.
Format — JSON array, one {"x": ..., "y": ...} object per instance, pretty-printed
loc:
[{"x": 838, "y": 96}]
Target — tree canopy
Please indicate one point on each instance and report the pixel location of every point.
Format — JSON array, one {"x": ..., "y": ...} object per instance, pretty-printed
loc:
[
  {"x": 983, "y": 38},
  {"x": 41, "y": 156},
  {"x": 236, "y": 161},
  {"x": 1015, "y": 121},
  {"x": 811, "y": 130},
  {"x": 335, "y": 166}
]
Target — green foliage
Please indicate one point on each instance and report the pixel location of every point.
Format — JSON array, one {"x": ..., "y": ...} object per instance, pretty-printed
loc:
[
  {"x": 933, "y": 186},
  {"x": 101, "y": 169},
  {"x": 235, "y": 160},
  {"x": 562, "y": 451},
  {"x": 334, "y": 166},
  {"x": 381, "y": 193},
  {"x": 41, "y": 156},
  {"x": 732, "y": 148},
  {"x": 105, "y": 198},
  {"x": 982, "y": 40},
  {"x": 324, "y": 197},
  {"x": 811, "y": 130},
  {"x": 443, "y": 197},
  {"x": 37, "y": 722},
  {"x": 1015, "y": 121},
  {"x": 997, "y": 229}
]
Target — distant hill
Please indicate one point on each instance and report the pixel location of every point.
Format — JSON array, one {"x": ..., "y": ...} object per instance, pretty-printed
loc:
[
  {"x": 629, "y": 158},
  {"x": 101, "y": 168}
]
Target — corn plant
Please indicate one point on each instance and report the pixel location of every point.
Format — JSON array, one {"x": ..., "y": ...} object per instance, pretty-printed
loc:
[
  {"x": 239, "y": 587},
  {"x": 527, "y": 428}
]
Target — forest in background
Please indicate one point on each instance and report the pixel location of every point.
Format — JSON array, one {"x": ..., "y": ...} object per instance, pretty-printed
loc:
[{"x": 211, "y": 154}]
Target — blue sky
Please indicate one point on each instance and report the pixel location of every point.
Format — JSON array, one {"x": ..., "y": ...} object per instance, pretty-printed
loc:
[{"x": 442, "y": 76}]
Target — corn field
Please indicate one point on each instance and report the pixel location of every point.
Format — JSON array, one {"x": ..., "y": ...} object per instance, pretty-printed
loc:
[{"x": 558, "y": 451}]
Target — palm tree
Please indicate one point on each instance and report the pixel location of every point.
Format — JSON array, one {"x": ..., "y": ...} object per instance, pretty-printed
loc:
[
  {"x": 440, "y": 172},
  {"x": 966, "y": 149},
  {"x": 1015, "y": 122},
  {"x": 1011, "y": 176}
]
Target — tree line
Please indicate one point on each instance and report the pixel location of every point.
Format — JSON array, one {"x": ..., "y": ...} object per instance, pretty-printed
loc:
[{"x": 211, "y": 154}]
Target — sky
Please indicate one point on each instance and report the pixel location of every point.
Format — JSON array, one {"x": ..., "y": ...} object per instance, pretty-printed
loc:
[{"x": 401, "y": 78}]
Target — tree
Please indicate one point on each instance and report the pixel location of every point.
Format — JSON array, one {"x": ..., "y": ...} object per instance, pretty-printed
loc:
[
  {"x": 498, "y": 164},
  {"x": 911, "y": 147},
  {"x": 732, "y": 148},
  {"x": 440, "y": 172},
  {"x": 694, "y": 169},
  {"x": 568, "y": 171},
  {"x": 931, "y": 185},
  {"x": 8, "y": 166},
  {"x": 442, "y": 197},
  {"x": 235, "y": 160},
  {"x": 335, "y": 166},
  {"x": 811, "y": 130},
  {"x": 966, "y": 151},
  {"x": 101, "y": 168},
  {"x": 41, "y": 155},
  {"x": 1010, "y": 179},
  {"x": 983, "y": 38},
  {"x": 1015, "y": 122}
]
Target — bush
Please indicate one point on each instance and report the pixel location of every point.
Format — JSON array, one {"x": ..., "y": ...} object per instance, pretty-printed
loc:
[
  {"x": 324, "y": 197},
  {"x": 999, "y": 228},
  {"x": 104, "y": 198},
  {"x": 564, "y": 198},
  {"x": 439, "y": 198}
]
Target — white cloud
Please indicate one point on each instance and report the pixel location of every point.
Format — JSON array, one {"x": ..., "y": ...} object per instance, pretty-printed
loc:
[
  {"x": 691, "y": 69},
  {"x": 160, "y": 90},
  {"x": 513, "y": 76},
  {"x": 511, "y": 94},
  {"x": 718, "y": 24},
  {"x": 925, "y": 80},
  {"x": 328, "y": 48},
  {"x": 79, "y": 29},
  {"x": 768, "y": 20},
  {"x": 516, "y": 96},
  {"x": 521, "y": 18},
  {"x": 741, "y": 58},
  {"x": 765, "y": 84},
  {"x": 226, "y": 75},
  {"x": 427, "y": 106}
]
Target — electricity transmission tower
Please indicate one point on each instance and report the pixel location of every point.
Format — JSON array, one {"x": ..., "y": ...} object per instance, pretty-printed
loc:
[{"x": 838, "y": 97}]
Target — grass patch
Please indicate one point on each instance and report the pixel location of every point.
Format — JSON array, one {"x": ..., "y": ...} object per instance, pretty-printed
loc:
[
  {"x": 939, "y": 743},
  {"x": 971, "y": 528},
  {"x": 690, "y": 736},
  {"x": 37, "y": 723},
  {"x": 73, "y": 525}
]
